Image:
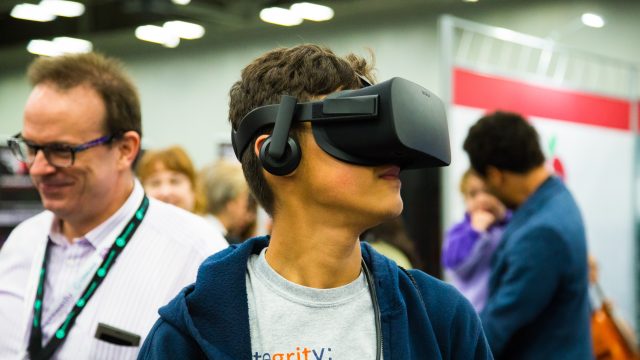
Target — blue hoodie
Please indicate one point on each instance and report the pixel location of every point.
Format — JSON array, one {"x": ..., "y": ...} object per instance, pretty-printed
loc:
[{"x": 425, "y": 319}]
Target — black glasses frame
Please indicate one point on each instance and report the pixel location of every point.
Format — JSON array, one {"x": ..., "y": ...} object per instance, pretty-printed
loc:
[{"x": 17, "y": 143}]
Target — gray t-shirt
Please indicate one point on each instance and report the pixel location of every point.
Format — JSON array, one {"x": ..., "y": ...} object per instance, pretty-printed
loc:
[{"x": 293, "y": 322}]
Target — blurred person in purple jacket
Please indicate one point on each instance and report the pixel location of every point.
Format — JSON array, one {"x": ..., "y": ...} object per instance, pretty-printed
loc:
[{"x": 469, "y": 245}]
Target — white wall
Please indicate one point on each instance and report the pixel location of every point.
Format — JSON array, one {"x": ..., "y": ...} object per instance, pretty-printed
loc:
[{"x": 13, "y": 95}]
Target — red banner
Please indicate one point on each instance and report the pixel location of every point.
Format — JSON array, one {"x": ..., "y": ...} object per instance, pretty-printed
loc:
[{"x": 495, "y": 93}]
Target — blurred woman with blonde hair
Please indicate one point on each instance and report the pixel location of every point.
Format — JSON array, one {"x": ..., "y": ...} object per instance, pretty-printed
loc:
[{"x": 169, "y": 175}]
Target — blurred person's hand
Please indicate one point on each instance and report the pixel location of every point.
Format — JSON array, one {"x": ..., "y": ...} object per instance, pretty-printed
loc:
[
  {"x": 481, "y": 220},
  {"x": 490, "y": 203},
  {"x": 479, "y": 200}
]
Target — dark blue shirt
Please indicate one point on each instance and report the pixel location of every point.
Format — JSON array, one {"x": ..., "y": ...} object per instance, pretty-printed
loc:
[
  {"x": 538, "y": 306},
  {"x": 427, "y": 319}
]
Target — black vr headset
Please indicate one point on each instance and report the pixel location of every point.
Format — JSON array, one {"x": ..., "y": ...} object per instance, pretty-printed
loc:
[{"x": 394, "y": 122}]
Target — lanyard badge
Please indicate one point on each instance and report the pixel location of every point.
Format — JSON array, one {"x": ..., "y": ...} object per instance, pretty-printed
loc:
[{"x": 36, "y": 350}]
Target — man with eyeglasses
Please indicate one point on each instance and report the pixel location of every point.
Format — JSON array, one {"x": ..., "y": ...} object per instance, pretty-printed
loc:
[{"x": 85, "y": 278}]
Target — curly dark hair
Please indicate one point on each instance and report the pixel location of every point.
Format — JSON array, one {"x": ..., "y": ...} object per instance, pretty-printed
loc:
[
  {"x": 505, "y": 141},
  {"x": 305, "y": 71}
]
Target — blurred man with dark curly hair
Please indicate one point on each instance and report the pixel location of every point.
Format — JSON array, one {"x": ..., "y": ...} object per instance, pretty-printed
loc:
[{"x": 538, "y": 306}]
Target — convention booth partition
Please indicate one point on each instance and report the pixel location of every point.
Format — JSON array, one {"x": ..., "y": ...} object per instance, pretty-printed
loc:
[{"x": 587, "y": 122}]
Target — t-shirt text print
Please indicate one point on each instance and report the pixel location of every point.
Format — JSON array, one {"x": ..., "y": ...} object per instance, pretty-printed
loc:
[{"x": 303, "y": 353}]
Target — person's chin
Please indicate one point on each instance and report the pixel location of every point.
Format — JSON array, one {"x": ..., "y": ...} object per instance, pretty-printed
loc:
[
  {"x": 391, "y": 210},
  {"x": 397, "y": 210},
  {"x": 507, "y": 202},
  {"x": 57, "y": 206}
]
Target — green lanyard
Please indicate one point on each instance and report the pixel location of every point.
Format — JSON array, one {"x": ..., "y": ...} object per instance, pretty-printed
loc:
[{"x": 36, "y": 351}]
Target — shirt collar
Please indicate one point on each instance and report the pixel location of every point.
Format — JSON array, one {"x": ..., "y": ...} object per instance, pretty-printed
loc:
[{"x": 101, "y": 233}]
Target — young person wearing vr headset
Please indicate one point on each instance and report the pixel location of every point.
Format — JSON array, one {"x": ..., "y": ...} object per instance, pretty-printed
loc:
[{"x": 324, "y": 162}]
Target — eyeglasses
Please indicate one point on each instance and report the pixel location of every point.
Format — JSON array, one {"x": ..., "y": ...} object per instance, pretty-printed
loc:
[{"x": 58, "y": 155}]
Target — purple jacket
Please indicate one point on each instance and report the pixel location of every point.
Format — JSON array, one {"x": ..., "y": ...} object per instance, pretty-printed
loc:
[{"x": 466, "y": 257}]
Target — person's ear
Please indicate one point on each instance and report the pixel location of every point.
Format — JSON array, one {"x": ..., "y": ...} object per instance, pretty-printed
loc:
[
  {"x": 128, "y": 147},
  {"x": 494, "y": 176},
  {"x": 258, "y": 144}
]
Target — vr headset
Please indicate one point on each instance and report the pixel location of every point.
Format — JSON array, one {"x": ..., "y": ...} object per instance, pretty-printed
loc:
[{"x": 394, "y": 122}]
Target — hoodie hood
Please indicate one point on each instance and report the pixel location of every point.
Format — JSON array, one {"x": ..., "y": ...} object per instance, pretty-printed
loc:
[{"x": 214, "y": 312}]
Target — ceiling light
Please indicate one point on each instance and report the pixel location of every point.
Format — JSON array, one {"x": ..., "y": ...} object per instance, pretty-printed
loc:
[
  {"x": 31, "y": 12},
  {"x": 157, "y": 34},
  {"x": 181, "y": 2},
  {"x": 185, "y": 30},
  {"x": 43, "y": 47},
  {"x": 470, "y": 0},
  {"x": 69, "y": 45},
  {"x": 63, "y": 7},
  {"x": 312, "y": 12},
  {"x": 592, "y": 20},
  {"x": 59, "y": 46},
  {"x": 280, "y": 16}
]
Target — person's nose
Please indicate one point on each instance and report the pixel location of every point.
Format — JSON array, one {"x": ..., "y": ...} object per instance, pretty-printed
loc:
[
  {"x": 165, "y": 191},
  {"x": 40, "y": 165}
]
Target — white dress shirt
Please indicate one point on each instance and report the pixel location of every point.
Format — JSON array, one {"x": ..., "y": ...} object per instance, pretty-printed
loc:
[
  {"x": 215, "y": 223},
  {"x": 160, "y": 259}
]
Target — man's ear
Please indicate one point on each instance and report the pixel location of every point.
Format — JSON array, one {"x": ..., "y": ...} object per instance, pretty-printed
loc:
[
  {"x": 258, "y": 144},
  {"x": 494, "y": 176},
  {"x": 128, "y": 146}
]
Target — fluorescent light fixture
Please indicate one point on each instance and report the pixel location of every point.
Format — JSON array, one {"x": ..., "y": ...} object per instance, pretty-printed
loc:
[
  {"x": 31, "y": 12},
  {"x": 592, "y": 20},
  {"x": 313, "y": 12},
  {"x": 185, "y": 30},
  {"x": 181, "y": 2},
  {"x": 59, "y": 46},
  {"x": 69, "y": 45},
  {"x": 157, "y": 34},
  {"x": 43, "y": 47},
  {"x": 280, "y": 16},
  {"x": 470, "y": 0},
  {"x": 63, "y": 7}
]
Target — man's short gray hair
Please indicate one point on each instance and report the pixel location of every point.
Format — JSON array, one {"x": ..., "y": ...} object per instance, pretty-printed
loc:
[{"x": 223, "y": 182}]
